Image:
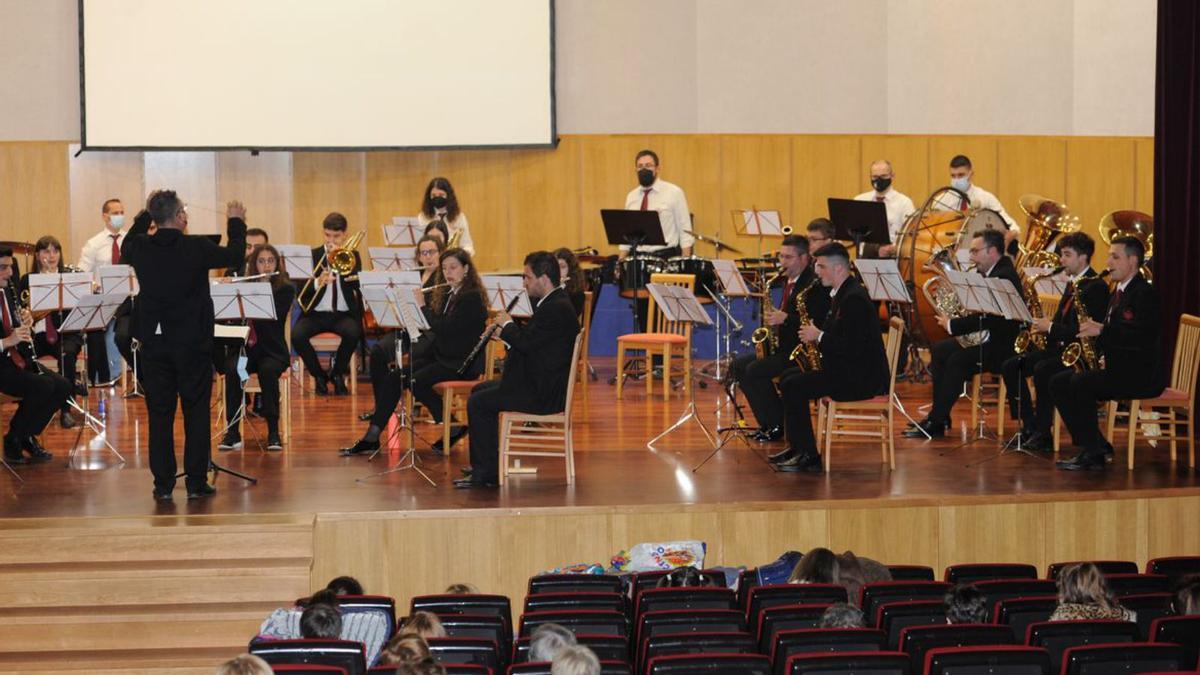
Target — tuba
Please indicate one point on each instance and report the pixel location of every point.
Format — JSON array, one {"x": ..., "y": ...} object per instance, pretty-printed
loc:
[
  {"x": 1130, "y": 224},
  {"x": 939, "y": 294},
  {"x": 1045, "y": 221},
  {"x": 806, "y": 356},
  {"x": 339, "y": 260}
]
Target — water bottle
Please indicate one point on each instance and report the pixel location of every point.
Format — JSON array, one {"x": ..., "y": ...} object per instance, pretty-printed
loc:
[{"x": 103, "y": 411}]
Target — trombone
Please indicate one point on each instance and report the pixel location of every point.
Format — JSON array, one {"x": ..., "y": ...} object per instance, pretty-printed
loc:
[{"x": 339, "y": 260}]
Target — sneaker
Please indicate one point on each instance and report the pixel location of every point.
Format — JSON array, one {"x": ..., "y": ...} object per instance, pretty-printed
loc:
[
  {"x": 274, "y": 442},
  {"x": 232, "y": 441}
]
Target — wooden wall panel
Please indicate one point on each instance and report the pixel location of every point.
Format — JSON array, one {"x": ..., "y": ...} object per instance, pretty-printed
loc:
[
  {"x": 35, "y": 197},
  {"x": 756, "y": 537},
  {"x": 695, "y": 165},
  {"x": 904, "y": 535},
  {"x": 607, "y": 174},
  {"x": 823, "y": 167},
  {"x": 1167, "y": 533},
  {"x": 645, "y": 525},
  {"x": 263, "y": 183},
  {"x": 325, "y": 182},
  {"x": 395, "y": 186},
  {"x": 94, "y": 178},
  {"x": 193, "y": 176},
  {"x": 991, "y": 533},
  {"x": 482, "y": 180},
  {"x": 1031, "y": 165},
  {"x": 756, "y": 173},
  {"x": 909, "y": 156},
  {"x": 1096, "y": 530},
  {"x": 1100, "y": 178},
  {"x": 545, "y": 198}
]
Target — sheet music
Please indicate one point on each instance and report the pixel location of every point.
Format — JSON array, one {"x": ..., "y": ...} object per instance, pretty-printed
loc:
[
  {"x": 767, "y": 223},
  {"x": 1055, "y": 285},
  {"x": 502, "y": 289},
  {"x": 92, "y": 312},
  {"x": 53, "y": 291},
  {"x": 963, "y": 256},
  {"x": 975, "y": 292},
  {"x": 297, "y": 260},
  {"x": 679, "y": 304},
  {"x": 392, "y": 259},
  {"x": 1012, "y": 305},
  {"x": 248, "y": 300},
  {"x": 403, "y": 231},
  {"x": 383, "y": 305},
  {"x": 393, "y": 280},
  {"x": 730, "y": 278},
  {"x": 883, "y": 280},
  {"x": 117, "y": 279}
]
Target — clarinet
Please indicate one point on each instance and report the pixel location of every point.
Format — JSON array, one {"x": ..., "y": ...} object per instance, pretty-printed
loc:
[
  {"x": 483, "y": 340},
  {"x": 23, "y": 348}
]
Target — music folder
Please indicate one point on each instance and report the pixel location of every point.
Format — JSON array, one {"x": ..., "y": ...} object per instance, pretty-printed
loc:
[
  {"x": 882, "y": 279},
  {"x": 859, "y": 221},
  {"x": 632, "y": 228}
]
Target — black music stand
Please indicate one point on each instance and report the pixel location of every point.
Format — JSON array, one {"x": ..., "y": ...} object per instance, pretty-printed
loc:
[
  {"x": 634, "y": 229},
  {"x": 859, "y": 221}
]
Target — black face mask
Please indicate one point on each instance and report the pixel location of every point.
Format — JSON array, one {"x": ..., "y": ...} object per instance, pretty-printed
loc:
[
  {"x": 645, "y": 177},
  {"x": 438, "y": 202},
  {"x": 881, "y": 184}
]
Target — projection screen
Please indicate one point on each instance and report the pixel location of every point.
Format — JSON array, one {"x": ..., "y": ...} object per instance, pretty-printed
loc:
[{"x": 316, "y": 74}]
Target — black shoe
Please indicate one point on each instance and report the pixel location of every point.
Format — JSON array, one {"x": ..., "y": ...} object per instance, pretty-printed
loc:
[
  {"x": 934, "y": 429},
  {"x": 782, "y": 456},
  {"x": 81, "y": 389},
  {"x": 320, "y": 385},
  {"x": 12, "y": 451},
  {"x": 273, "y": 441},
  {"x": 362, "y": 447},
  {"x": 471, "y": 484},
  {"x": 768, "y": 435},
  {"x": 1036, "y": 441},
  {"x": 366, "y": 417},
  {"x": 67, "y": 420},
  {"x": 339, "y": 387},
  {"x": 801, "y": 463},
  {"x": 1106, "y": 449},
  {"x": 231, "y": 441},
  {"x": 256, "y": 408},
  {"x": 36, "y": 452},
  {"x": 456, "y": 434},
  {"x": 205, "y": 490},
  {"x": 1084, "y": 461},
  {"x": 467, "y": 471},
  {"x": 163, "y": 496}
]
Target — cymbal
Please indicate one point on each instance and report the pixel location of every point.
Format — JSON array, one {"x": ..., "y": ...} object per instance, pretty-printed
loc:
[
  {"x": 593, "y": 259},
  {"x": 715, "y": 241}
]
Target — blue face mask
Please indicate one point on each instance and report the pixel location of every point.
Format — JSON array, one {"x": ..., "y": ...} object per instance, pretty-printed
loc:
[
  {"x": 960, "y": 184},
  {"x": 118, "y": 221}
]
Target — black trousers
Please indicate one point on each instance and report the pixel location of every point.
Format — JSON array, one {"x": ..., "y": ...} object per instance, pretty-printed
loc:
[
  {"x": 799, "y": 389},
  {"x": 1042, "y": 365},
  {"x": 97, "y": 357},
  {"x": 1076, "y": 395},
  {"x": 952, "y": 365},
  {"x": 65, "y": 351},
  {"x": 483, "y": 411},
  {"x": 426, "y": 374},
  {"x": 42, "y": 395},
  {"x": 382, "y": 358},
  {"x": 346, "y": 326},
  {"x": 182, "y": 377},
  {"x": 756, "y": 378},
  {"x": 269, "y": 370}
]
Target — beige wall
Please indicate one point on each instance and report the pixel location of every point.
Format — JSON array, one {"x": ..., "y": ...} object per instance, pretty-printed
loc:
[{"x": 1044, "y": 67}]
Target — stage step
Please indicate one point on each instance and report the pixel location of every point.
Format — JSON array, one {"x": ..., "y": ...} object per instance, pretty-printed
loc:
[{"x": 170, "y": 595}]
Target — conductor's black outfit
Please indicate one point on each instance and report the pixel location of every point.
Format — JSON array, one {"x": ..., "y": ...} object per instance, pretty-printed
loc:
[
  {"x": 343, "y": 317},
  {"x": 173, "y": 322},
  {"x": 536, "y": 370},
  {"x": 853, "y": 365},
  {"x": 756, "y": 376},
  {"x": 1133, "y": 368},
  {"x": 1044, "y": 364}
]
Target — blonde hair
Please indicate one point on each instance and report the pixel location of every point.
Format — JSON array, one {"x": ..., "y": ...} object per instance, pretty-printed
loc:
[
  {"x": 462, "y": 589},
  {"x": 424, "y": 624},
  {"x": 404, "y": 648},
  {"x": 245, "y": 664},
  {"x": 577, "y": 660},
  {"x": 1084, "y": 584}
]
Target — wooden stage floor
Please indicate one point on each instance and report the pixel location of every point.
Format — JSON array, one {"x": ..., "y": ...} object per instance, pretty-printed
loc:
[{"x": 614, "y": 467}]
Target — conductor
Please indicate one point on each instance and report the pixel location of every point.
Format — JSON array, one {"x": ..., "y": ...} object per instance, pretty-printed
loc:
[{"x": 173, "y": 321}]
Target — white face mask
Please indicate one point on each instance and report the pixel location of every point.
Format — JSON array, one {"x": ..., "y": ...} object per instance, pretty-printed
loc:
[
  {"x": 117, "y": 221},
  {"x": 961, "y": 184}
]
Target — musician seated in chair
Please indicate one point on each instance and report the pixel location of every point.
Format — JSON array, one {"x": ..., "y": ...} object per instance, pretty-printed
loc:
[
  {"x": 1129, "y": 338},
  {"x": 41, "y": 394},
  {"x": 536, "y": 368},
  {"x": 1075, "y": 255},
  {"x": 853, "y": 365},
  {"x": 336, "y": 309},
  {"x": 456, "y": 315},
  {"x": 951, "y": 364},
  {"x": 756, "y": 375},
  {"x": 266, "y": 353}
]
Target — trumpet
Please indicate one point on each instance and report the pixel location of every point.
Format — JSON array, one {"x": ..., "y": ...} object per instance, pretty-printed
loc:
[{"x": 339, "y": 260}]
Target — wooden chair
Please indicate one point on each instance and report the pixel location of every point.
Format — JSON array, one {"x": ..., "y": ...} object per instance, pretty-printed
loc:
[
  {"x": 328, "y": 343},
  {"x": 980, "y": 397},
  {"x": 1178, "y": 398},
  {"x": 663, "y": 337},
  {"x": 285, "y": 393},
  {"x": 455, "y": 393},
  {"x": 528, "y": 435},
  {"x": 5, "y": 398},
  {"x": 585, "y": 325},
  {"x": 870, "y": 418}
]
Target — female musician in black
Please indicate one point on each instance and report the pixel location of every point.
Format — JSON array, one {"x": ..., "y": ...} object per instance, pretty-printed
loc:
[
  {"x": 267, "y": 351},
  {"x": 47, "y": 259},
  {"x": 571, "y": 278},
  {"x": 457, "y": 314}
]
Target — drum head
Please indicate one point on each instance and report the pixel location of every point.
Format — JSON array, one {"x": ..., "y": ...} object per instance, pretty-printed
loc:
[{"x": 980, "y": 220}]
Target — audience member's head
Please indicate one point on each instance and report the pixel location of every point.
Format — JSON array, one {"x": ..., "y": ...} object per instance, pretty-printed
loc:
[
  {"x": 321, "y": 621},
  {"x": 850, "y": 574},
  {"x": 818, "y": 566},
  {"x": 345, "y": 586},
  {"x": 462, "y": 589},
  {"x": 425, "y": 624},
  {"x": 322, "y": 597},
  {"x": 246, "y": 664},
  {"x": 681, "y": 577},
  {"x": 548, "y": 640},
  {"x": 577, "y": 660},
  {"x": 1084, "y": 584},
  {"x": 404, "y": 648},
  {"x": 965, "y": 603},
  {"x": 423, "y": 667},
  {"x": 1187, "y": 596},
  {"x": 842, "y": 615}
]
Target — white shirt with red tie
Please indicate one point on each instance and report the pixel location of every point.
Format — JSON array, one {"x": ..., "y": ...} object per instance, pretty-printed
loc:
[
  {"x": 97, "y": 251},
  {"x": 897, "y": 205},
  {"x": 670, "y": 202}
]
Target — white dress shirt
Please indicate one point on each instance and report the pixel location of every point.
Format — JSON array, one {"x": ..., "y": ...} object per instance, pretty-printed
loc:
[
  {"x": 97, "y": 251},
  {"x": 459, "y": 224},
  {"x": 978, "y": 198},
  {"x": 897, "y": 205},
  {"x": 670, "y": 202},
  {"x": 326, "y": 302}
]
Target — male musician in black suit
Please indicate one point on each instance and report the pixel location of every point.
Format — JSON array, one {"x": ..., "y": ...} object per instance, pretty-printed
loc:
[
  {"x": 953, "y": 365},
  {"x": 1075, "y": 254},
  {"x": 536, "y": 368},
  {"x": 173, "y": 323},
  {"x": 42, "y": 394},
  {"x": 853, "y": 363},
  {"x": 756, "y": 376},
  {"x": 337, "y": 309},
  {"x": 1129, "y": 338}
]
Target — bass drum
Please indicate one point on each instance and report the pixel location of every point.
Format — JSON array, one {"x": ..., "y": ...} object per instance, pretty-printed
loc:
[
  {"x": 701, "y": 268},
  {"x": 635, "y": 274},
  {"x": 927, "y": 231}
]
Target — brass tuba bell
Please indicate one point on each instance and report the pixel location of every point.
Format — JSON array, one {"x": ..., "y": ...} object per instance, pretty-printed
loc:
[
  {"x": 1046, "y": 219},
  {"x": 1128, "y": 223}
]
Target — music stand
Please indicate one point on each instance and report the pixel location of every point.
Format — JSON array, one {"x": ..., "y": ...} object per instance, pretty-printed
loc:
[
  {"x": 241, "y": 301},
  {"x": 859, "y": 221},
  {"x": 123, "y": 279},
  {"x": 297, "y": 260},
  {"x": 91, "y": 313},
  {"x": 502, "y": 289},
  {"x": 975, "y": 295},
  {"x": 403, "y": 231},
  {"x": 731, "y": 285},
  {"x": 1047, "y": 285},
  {"x": 393, "y": 310},
  {"x": 391, "y": 259},
  {"x": 633, "y": 229},
  {"x": 679, "y": 304},
  {"x": 758, "y": 223}
]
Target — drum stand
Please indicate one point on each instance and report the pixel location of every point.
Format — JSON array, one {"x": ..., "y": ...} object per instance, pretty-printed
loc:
[{"x": 404, "y": 420}]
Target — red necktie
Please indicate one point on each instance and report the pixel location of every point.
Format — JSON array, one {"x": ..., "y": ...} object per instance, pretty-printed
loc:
[
  {"x": 878, "y": 198},
  {"x": 787, "y": 292},
  {"x": 646, "y": 199},
  {"x": 964, "y": 205},
  {"x": 252, "y": 336},
  {"x": 1068, "y": 297},
  {"x": 116, "y": 250},
  {"x": 51, "y": 330},
  {"x": 1113, "y": 303},
  {"x": 8, "y": 329}
]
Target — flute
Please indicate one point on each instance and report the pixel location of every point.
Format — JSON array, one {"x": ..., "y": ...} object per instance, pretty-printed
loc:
[{"x": 483, "y": 339}]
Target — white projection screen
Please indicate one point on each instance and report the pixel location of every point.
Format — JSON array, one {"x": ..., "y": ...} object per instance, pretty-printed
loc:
[{"x": 317, "y": 74}]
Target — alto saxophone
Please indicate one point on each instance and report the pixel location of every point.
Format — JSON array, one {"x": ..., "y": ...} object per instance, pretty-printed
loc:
[
  {"x": 1081, "y": 354},
  {"x": 1028, "y": 336},
  {"x": 765, "y": 338},
  {"x": 805, "y": 355}
]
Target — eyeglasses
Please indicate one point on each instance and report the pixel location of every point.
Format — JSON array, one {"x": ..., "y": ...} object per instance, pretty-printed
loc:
[{"x": 973, "y": 250}]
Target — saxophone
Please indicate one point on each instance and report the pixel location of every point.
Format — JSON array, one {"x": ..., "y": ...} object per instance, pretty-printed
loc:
[
  {"x": 764, "y": 338},
  {"x": 1028, "y": 336},
  {"x": 806, "y": 356},
  {"x": 1081, "y": 354},
  {"x": 939, "y": 294}
]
